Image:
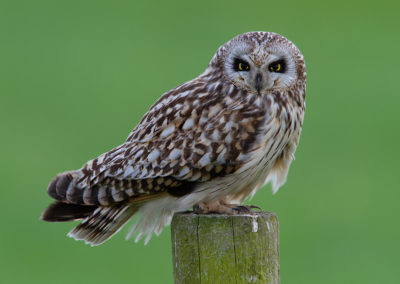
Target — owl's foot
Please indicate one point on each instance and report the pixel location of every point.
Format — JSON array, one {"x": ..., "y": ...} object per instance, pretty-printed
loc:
[
  {"x": 223, "y": 208},
  {"x": 245, "y": 208}
]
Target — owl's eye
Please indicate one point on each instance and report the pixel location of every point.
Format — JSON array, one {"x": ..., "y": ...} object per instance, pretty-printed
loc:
[
  {"x": 277, "y": 66},
  {"x": 241, "y": 65}
]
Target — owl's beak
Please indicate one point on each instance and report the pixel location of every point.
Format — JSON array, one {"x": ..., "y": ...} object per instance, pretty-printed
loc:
[{"x": 258, "y": 82}]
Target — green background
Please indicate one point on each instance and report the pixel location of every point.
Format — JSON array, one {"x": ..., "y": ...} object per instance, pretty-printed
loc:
[{"x": 77, "y": 76}]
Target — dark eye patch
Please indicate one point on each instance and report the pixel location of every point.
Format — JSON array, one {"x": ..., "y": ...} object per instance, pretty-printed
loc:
[
  {"x": 278, "y": 66},
  {"x": 240, "y": 65}
]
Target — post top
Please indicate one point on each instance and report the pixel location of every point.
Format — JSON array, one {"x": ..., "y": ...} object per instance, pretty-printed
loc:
[{"x": 191, "y": 214}]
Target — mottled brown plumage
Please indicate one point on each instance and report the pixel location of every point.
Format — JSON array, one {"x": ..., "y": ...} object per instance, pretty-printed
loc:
[{"x": 210, "y": 143}]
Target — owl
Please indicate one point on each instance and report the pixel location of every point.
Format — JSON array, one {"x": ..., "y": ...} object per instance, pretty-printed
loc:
[{"x": 207, "y": 144}]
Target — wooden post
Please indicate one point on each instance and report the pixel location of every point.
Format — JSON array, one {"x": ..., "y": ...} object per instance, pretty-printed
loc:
[{"x": 225, "y": 248}]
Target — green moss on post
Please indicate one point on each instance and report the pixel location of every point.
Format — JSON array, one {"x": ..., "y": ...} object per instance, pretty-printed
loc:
[{"x": 225, "y": 248}]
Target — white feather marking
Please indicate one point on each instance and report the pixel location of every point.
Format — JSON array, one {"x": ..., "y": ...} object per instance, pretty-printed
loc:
[
  {"x": 135, "y": 173},
  {"x": 165, "y": 122},
  {"x": 138, "y": 154},
  {"x": 128, "y": 172},
  {"x": 215, "y": 135},
  {"x": 144, "y": 172},
  {"x": 167, "y": 131},
  {"x": 185, "y": 170},
  {"x": 228, "y": 138},
  {"x": 243, "y": 157},
  {"x": 214, "y": 110},
  {"x": 175, "y": 154},
  {"x": 229, "y": 125},
  {"x": 188, "y": 124},
  {"x": 203, "y": 119},
  {"x": 153, "y": 155},
  {"x": 230, "y": 91},
  {"x": 212, "y": 86},
  {"x": 119, "y": 151},
  {"x": 221, "y": 156},
  {"x": 205, "y": 160},
  {"x": 228, "y": 100},
  {"x": 203, "y": 138}
]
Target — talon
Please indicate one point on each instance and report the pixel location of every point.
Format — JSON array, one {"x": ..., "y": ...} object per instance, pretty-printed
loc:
[
  {"x": 242, "y": 209},
  {"x": 196, "y": 209},
  {"x": 245, "y": 208},
  {"x": 255, "y": 207}
]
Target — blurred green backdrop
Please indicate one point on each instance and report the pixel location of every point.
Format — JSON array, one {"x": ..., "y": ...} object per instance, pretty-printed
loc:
[{"x": 76, "y": 77}]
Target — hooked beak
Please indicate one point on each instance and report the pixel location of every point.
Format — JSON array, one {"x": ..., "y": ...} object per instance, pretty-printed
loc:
[{"x": 258, "y": 82}]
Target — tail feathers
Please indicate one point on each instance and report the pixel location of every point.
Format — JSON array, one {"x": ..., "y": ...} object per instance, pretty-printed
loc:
[
  {"x": 103, "y": 223},
  {"x": 63, "y": 188},
  {"x": 64, "y": 212}
]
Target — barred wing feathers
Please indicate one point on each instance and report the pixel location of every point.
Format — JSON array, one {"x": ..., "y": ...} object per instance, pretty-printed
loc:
[{"x": 186, "y": 137}]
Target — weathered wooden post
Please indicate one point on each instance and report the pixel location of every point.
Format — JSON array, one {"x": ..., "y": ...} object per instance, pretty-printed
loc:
[{"x": 225, "y": 248}]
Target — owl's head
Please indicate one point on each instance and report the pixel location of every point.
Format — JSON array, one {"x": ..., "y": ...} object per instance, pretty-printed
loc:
[{"x": 260, "y": 62}]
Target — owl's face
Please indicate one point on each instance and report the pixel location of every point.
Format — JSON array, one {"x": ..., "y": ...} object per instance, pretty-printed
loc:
[{"x": 261, "y": 62}]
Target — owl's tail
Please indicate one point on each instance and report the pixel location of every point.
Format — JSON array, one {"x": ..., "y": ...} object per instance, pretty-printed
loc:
[{"x": 101, "y": 223}]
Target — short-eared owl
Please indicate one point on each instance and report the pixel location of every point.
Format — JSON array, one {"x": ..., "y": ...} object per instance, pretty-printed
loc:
[{"x": 208, "y": 143}]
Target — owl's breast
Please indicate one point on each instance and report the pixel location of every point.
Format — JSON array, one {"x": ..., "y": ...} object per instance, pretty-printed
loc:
[
  {"x": 275, "y": 141},
  {"x": 260, "y": 141}
]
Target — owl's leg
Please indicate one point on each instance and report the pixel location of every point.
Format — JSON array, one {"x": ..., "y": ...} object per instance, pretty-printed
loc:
[
  {"x": 212, "y": 207},
  {"x": 221, "y": 207}
]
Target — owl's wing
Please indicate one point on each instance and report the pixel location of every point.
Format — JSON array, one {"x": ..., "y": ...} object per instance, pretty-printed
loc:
[{"x": 187, "y": 137}]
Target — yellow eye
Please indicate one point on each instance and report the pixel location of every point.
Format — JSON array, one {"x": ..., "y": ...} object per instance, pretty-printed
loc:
[
  {"x": 277, "y": 66},
  {"x": 240, "y": 65},
  {"x": 243, "y": 67}
]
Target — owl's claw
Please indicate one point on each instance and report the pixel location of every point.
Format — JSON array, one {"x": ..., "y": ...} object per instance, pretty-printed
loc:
[
  {"x": 241, "y": 209},
  {"x": 197, "y": 209},
  {"x": 255, "y": 207},
  {"x": 244, "y": 209}
]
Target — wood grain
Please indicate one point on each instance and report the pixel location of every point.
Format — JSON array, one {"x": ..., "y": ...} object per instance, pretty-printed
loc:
[{"x": 225, "y": 248}]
